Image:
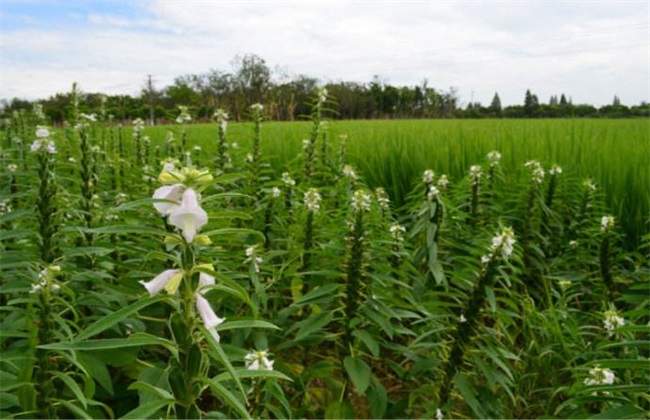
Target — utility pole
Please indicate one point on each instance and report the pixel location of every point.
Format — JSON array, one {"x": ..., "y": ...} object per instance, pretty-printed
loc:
[{"x": 151, "y": 94}]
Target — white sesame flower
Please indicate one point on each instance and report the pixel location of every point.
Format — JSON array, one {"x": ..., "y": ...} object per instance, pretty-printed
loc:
[
  {"x": 504, "y": 241},
  {"x": 205, "y": 280},
  {"x": 427, "y": 176},
  {"x": 475, "y": 173},
  {"x": 88, "y": 117},
  {"x": 537, "y": 172},
  {"x": 210, "y": 319},
  {"x": 258, "y": 360},
  {"x": 600, "y": 376},
  {"x": 485, "y": 259},
  {"x": 349, "y": 172},
  {"x": 462, "y": 318},
  {"x": 589, "y": 185},
  {"x": 169, "y": 137},
  {"x": 38, "y": 111},
  {"x": 360, "y": 201},
  {"x": 257, "y": 107},
  {"x": 4, "y": 207},
  {"x": 42, "y": 133},
  {"x": 196, "y": 148},
  {"x": 169, "y": 165},
  {"x": 305, "y": 144},
  {"x": 189, "y": 216},
  {"x": 612, "y": 321},
  {"x": 382, "y": 199},
  {"x": 168, "y": 280},
  {"x": 12, "y": 167},
  {"x": 606, "y": 223},
  {"x": 396, "y": 231},
  {"x": 287, "y": 180},
  {"x": 433, "y": 192},
  {"x": 184, "y": 115},
  {"x": 251, "y": 254},
  {"x": 555, "y": 170},
  {"x": 44, "y": 144},
  {"x": 322, "y": 95},
  {"x": 222, "y": 119},
  {"x": 168, "y": 192},
  {"x": 234, "y": 145},
  {"x": 249, "y": 157},
  {"x": 275, "y": 192},
  {"x": 573, "y": 244},
  {"x": 443, "y": 182},
  {"x": 312, "y": 200},
  {"x": 439, "y": 415},
  {"x": 494, "y": 157},
  {"x": 564, "y": 284},
  {"x": 72, "y": 160},
  {"x": 138, "y": 126},
  {"x": 46, "y": 279},
  {"x": 111, "y": 217}
]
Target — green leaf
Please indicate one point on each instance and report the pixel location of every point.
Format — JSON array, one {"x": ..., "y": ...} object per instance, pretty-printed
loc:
[
  {"x": 491, "y": 298},
  {"x": 7, "y": 401},
  {"x": 218, "y": 354},
  {"x": 144, "y": 386},
  {"x": 240, "y": 234},
  {"x": 358, "y": 372},
  {"x": 230, "y": 286},
  {"x": 220, "y": 391},
  {"x": 136, "y": 340},
  {"x": 378, "y": 399},
  {"x": 132, "y": 229},
  {"x": 13, "y": 334},
  {"x": 112, "y": 319},
  {"x": 230, "y": 215},
  {"x": 247, "y": 373},
  {"x": 622, "y": 364},
  {"x": 643, "y": 388},
  {"x": 368, "y": 340},
  {"x": 623, "y": 412},
  {"x": 6, "y": 235},
  {"x": 148, "y": 409},
  {"x": 312, "y": 324},
  {"x": 379, "y": 319},
  {"x": 317, "y": 294},
  {"x": 469, "y": 395},
  {"x": 86, "y": 251},
  {"x": 623, "y": 343},
  {"x": 339, "y": 410},
  {"x": 77, "y": 411},
  {"x": 72, "y": 385},
  {"x": 246, "y": 323}
]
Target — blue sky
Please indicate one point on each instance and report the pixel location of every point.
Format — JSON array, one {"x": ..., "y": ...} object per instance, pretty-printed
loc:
[{"x": 589, "y": 50}]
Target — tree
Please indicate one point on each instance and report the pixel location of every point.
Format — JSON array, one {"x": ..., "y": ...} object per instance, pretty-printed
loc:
[
  {"x": 252, "y": 78},
  {"x": 495, "y": 106},
  {"x": 531, "y": 104},
  {"x": 616, "y": 101}
]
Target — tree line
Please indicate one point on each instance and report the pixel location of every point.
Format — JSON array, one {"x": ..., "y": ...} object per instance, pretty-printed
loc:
[{"x": 287, "y": 98}]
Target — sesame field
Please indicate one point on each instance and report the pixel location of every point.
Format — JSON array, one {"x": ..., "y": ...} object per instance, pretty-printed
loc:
[{"x": 323, "y": 268}]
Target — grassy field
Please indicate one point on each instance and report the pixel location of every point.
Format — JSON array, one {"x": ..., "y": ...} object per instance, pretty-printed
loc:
[{"x": 260, "y": 271}]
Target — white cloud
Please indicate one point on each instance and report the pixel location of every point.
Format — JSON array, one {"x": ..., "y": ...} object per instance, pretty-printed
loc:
[{"x": 589, "y": 51}]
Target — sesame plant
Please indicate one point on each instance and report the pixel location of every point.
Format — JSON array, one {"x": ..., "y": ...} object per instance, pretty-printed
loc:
[{"x": 233, "y": 270}]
